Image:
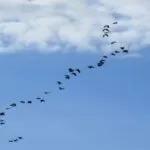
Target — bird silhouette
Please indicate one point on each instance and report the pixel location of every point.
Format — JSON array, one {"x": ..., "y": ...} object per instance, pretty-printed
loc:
[
  {"x": 71, "y": 70},
  {"x": 47, "y": 93},
  {"x": 106, "y": 29},
  {"x": 23, "y": 102},
  {"x": 78, "y": 70},
  {"x": 105, "y": 57},
  {"x": 113, "y": 54},
  {"x": 59, "y": 83},
  {"x": 125, "y": 51},
  {"x": 91, "y": 67},
  {"x": 122, "y": 47},
  {"x": 2, "y": 123},
  {"x": 106, "y": 26},
  {"x": 117, "y": 51},
  {"x": 20, "y": 138},
  {"x": 38, "y": 98},
  {"x": 113, "y": 42},
  {"x": 29, "y": 102},
  {"x": 67, "y": 76},
  {"x": 2, "y": 114},
  {"x": 73, "y": 73},
  {"x": 61, "y": 88},
  {"x": 115, "y": 22},
  {"x": 42, "y": 100},
  {"x": 105, "y": 35},
  {"x": 13, "y": 105}
]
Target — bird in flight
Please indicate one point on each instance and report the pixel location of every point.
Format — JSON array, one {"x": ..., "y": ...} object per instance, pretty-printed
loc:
[
  {"x": 67, "y": 76},
  {"x": 59, "y": 83},
  {"x": 71, "y": 70},
  {"x": 91, "y": 67},
  {"x": 78, "y": 70}
]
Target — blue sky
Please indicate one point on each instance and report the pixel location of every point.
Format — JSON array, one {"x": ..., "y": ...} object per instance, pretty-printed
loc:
[{"x": 106, "y": 108}]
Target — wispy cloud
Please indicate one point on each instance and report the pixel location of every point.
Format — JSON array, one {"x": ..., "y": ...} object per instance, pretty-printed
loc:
[{"x": 60, "y": 25}]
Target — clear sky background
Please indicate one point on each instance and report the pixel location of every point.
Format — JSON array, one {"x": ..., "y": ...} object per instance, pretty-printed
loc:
[
  {"x": 106, "y": 108},
  {"x": 101, "y": 109}
]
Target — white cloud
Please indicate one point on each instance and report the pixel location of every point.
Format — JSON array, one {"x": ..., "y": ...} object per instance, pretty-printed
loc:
[{"x": 60, "y": 25}]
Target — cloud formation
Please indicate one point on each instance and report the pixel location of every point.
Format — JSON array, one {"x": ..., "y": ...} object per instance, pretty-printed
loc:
[{"x": 63, "y": 25}]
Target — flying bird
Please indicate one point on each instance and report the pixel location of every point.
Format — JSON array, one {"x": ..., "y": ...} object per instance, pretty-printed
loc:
[
  {"x": 13, "y": 105},
  {"x": 113, "y": 54},
  {"x": 117, "y": 51},
  {"x": 91, "y": 67},
  {"x": 42, "y": 100},
  {"x": 20, "y": 138},
  {"x": 115, "y": 22},
  {"x": 74, "y": 73},
  {"x": 23, "y": 102},
  {"x": 71, "y": 70},
  {"x": 29, "y": 102},
  {"x": 125, "y": 51},
  {"x": 105, "y": 57},
  {"x": 105, "y": 35},
  {"x": 106, "y": 26},
  {"x": 46, "y": 93},
  {"x": 78, "y": 70},
  {"x": 113, "y": 42},
  {"x": 67, "y": 76},
  {"x": 2, "y": 114},
  {"x": 59, "y": 83},
  {"x": 106, "y": 29},
  {"x": 61, "y": 88},
  {"x": 122, "y": 47}
]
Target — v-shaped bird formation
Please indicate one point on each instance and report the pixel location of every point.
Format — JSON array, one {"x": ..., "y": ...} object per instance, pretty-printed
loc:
[{"x": 71, "y": 72}]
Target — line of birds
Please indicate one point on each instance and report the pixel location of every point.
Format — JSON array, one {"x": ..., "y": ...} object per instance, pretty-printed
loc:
[
  {"x": 16, "y": 139},
  {"x": 71, "y": 72}
]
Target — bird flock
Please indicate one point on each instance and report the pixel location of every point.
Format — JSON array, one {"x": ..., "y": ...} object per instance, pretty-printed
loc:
[{"x": 71, "y": 72}]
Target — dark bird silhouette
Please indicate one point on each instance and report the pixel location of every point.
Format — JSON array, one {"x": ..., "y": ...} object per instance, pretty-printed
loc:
[
  {"x": 59, "y": 83},
  {"x": 91, "y": 67},
  {"x": 20, "y": 138},
  {"x": 23, "y": 102},
  {"x": 122, "y": 47},
  {"x": 61, "y": 88},
  {"x": 113, "y": 42},
  {"x": 125, "y": 51},
  {"x": 13, "y": 105},
  {"x": 42, "y": 100},
  {"x": 106, "y": 26},
  {"x": 117, "y": 51},
  {"x": 67, "y": 76},
  {"x": 78, "y": 70},
  {"x": 99, "y": 64},
  {"x": 74, "y": 73},
  {"x": 46, "y": 93},
  {"x": 29, "y": 102},
  {"x": 106, "y": 29},
  {"x": 2, "y": 114},
  {"x": 71, "y": 70},
  {"x": 38, "y": 98},
  {"x": 113, "y": 54},
  {"x": 115, "y": 22},
  {"x": 105, "y": 57},
  {"x": 2, "y": 123},
  {"x": 7, "y": 108},
  {"x": 16, "y": 140},
  {"x": 105, "y": 35},
  {"x": 10, "y": 141}
]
